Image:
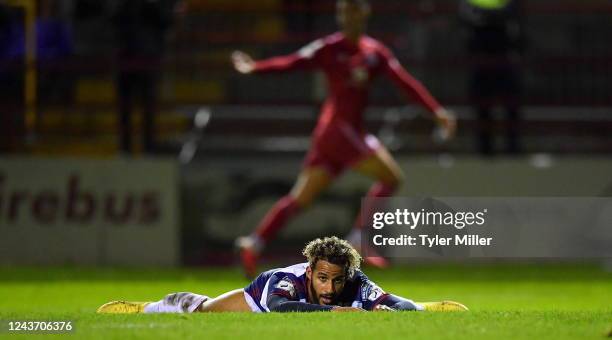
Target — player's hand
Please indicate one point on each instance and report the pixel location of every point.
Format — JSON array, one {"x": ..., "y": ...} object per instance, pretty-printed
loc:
[
  {"x": 383, "y": 308},
  {"x": 447, "y": 124},
  {"x": 339, "y": 309},
  {"x": 243, "y": 62}
]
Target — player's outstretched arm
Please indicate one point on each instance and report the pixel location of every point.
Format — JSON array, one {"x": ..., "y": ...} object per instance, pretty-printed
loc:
[
  {"x": 306, "y": 58},
  {"x": 281, "y": 304},
  {"x": 244, "y": 64},
  {"x": 444, "y": 118},
  {"x": 396, "y": 303}
]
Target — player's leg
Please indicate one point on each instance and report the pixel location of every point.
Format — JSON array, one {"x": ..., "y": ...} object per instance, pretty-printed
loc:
[
  {"x": 388, "y": 177},
  {"x": 385, "y": 171},
  {"x": 382, "y": 167},
  {"x": 310, "y": 183},
  {"x": 233, "y": 301},
  {"x": 183, "y": 302}
]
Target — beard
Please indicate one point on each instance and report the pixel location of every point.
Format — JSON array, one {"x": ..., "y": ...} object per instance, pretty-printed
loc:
[{"x": 313, "y": 293}]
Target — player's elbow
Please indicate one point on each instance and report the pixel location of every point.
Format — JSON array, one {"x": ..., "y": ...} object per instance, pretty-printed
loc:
[
  {"x": 276, "y": 308},
  {"x": 283, "y": 307},
  {"x": 278, "y": 304}
]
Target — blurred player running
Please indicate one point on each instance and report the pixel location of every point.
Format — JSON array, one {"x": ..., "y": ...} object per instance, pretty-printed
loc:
[
  {"x": 350, "y": 61},
  {"x": 329, "y": 281}
]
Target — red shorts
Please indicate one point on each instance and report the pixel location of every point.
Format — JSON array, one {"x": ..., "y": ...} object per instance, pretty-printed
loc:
[{"x": 339, "y": 146}]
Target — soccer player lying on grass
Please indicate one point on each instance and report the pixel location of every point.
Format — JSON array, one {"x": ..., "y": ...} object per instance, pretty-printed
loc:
[{"x": 329, "y": 281}]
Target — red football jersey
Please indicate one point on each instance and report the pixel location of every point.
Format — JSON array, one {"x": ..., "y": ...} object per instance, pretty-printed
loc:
[{"x": 349, "y": 69}]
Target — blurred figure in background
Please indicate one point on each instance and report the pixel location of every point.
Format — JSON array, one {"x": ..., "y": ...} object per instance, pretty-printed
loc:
[
  {"x": 350, "y": 60},
  {"x": 141, "y": 27},
  {"x": 495, "y": 45}
]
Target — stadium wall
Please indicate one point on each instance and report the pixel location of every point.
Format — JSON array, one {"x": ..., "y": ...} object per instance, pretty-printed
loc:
[
  {"x": 88, "y": 212},
  {"x": 108, "y": 212}
]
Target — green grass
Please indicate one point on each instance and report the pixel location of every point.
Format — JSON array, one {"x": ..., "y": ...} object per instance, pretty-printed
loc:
[{"x": 506, "y": 301}]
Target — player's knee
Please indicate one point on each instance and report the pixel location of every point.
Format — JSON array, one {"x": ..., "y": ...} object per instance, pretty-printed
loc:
[
  {"x": 183, "y": 300},
  {"x": 206, "y": 307},
  {"x": 394, "y": 180},
  {"x": 302, "y": 200},
  {"x": 173, "y": 298}
]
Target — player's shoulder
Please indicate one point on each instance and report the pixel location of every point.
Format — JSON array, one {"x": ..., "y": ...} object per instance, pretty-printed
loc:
[
  {"x": 359, "y": 276},
  {"x": 369, "y": 293},
  {"x": 289, "y": 279},
  {"x": 317, "y": 47},
  {"x": 296, "y": 270},
  {"x": 332, "y": 39},
  {"x": 371, "y": 41},
  {"x": 375, "y": 44}
]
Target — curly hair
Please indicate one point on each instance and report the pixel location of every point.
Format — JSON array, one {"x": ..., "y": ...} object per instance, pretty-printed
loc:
[{"x": 333, "y": 250}]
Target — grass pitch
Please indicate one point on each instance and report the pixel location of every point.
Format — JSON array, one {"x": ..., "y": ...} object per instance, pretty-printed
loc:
[{"x": 506, "y": 301}]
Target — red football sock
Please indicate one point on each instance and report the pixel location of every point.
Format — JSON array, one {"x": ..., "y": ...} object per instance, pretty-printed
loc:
[
  {"x": 277, "y": 218},
  {"x": 379, "y": 189}
]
